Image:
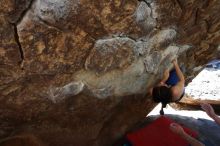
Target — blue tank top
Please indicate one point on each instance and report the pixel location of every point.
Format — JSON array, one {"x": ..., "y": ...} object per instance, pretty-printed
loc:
[{"x": 173, "y": 78}]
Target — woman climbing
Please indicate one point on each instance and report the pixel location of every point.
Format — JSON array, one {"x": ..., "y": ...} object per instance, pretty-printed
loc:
[{"x": 170, "y": 88}]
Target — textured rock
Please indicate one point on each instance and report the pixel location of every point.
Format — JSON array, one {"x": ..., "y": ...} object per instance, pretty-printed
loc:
[
  {"x": 76, "y": 72},
  {"x": 110, "y": 54},
  {"x": 22, "y": 140}
]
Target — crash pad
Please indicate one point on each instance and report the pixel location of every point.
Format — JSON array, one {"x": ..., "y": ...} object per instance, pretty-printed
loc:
[{"x": 158, "y": 134}]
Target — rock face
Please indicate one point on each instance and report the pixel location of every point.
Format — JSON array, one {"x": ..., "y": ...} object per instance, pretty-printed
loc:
[{"x": 76, "y": 72}]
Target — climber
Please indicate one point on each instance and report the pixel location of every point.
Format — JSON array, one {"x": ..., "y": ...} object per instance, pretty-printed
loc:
[{"x": 170, "y": 88}]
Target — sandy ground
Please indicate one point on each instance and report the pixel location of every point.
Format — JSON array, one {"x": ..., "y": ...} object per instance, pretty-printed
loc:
[
  {"x": 206, "y": 85},
  {"x": 170, "y": 110}
]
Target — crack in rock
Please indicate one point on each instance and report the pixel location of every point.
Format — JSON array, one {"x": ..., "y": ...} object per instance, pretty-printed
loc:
[
  {"x": 23, "y": 13},
  {"x": 16, "y": 36}
]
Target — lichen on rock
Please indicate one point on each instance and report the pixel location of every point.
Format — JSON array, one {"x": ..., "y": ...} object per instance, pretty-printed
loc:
[
  {"x": 145, "y": 16},
  {"x": 56, "y": 11}
]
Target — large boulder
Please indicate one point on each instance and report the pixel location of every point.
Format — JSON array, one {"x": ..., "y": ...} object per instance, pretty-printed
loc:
[{"x": 77, "y": 72}]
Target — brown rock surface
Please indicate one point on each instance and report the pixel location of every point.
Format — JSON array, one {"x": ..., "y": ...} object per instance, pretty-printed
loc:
[{"x": 76, "y": 72}]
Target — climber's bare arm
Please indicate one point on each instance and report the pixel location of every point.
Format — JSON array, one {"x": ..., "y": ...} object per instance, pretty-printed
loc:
[
  {"x": 210, "y": 112},
  {"x": 178, "y": 71},
  {"x": 217, "y": 119},
  {"x": 163, "y": 80},
  {"x": 166, "y": 75},
  {"x": 177, "y": 90}
]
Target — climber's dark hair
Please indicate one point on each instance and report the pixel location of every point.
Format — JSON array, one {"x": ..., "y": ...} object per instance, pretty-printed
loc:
[{"x": 162, "y": 94}]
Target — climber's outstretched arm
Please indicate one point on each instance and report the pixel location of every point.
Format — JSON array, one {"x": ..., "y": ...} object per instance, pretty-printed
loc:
[
  {"x": 177, "y": 90},
  {"x": 178, "y": 71},
  {"x": 210, "y": 112}
]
